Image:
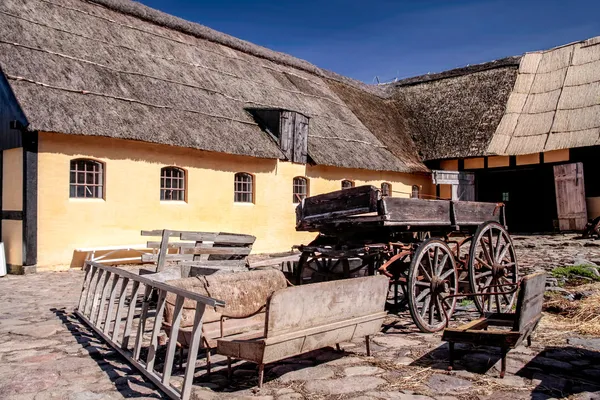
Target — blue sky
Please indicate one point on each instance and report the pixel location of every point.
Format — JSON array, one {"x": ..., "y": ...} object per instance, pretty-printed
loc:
[{"x": 395, "y": 39}]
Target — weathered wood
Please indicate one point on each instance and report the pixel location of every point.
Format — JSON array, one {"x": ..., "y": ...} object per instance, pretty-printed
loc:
[
  {"x": 433, "y": 212},
  {"x": 476, "y": 213},
  {"x": 353, "y": 201},
  {"x": 120, "y": 307},
  {"x": 162, "y": 252},
  {"x": 193, "y": 352},
  {"x": 99, "y": 289},
  {"x": 570, "y": 196},
  {"x": 135, "y": 292},
  {"x": 530, "y": 301},
  {"x": 275, "y": 261},
  {"x": 158, "y": 318},
  {"x": 159, "y": 232},
  {"x": 218, "y": 237},
  {"x": 172, "y": 345},
  {"x": 189, "y": 256},
  {"x": 286, "y": 133},
  {"x": 137, "y": 346},
  {"x": 300, "y": 139},
  {"x": 111, "y": 303},
  {"x": 84, "y": 286}
]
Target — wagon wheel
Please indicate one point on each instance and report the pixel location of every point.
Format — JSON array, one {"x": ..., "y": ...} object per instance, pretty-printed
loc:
[
  {"x": 431, "y": 278},
  {"x": 493, "y": 261},
  {"x": 318, "y": 267}
]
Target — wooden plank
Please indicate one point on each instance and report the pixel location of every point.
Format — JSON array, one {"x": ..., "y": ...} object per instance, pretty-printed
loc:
[
  {"x": 172, "y": 344},
  {"x": 111, "y": 303},
  {"x": 430, "y": 212},
  {"x": 219, "y": 237},
  {"x": 95, "y": 318},
  {"x": 85, "y": 286},
  {"x": 232, "y": 251},
  {"x": 300, "y": 139},
  {"x": 353, "y": 201},
  {"x": 95, "y": 294},
  {"x": 135, "y": 291},
  {"x": 120, "y": 308},
  {"x": 286, "y": 133},
  {"x": 162, "y": 252},
  {"x": 139, "y": 337},
  {"x": 530, "y": 300},
  {"x": 159, "y": 232},
  {"x": 475, "y": 212},
  {"x": 158, "y": 317},
  {"x": 275, "y": 261},
  {"x": 89, "y": 295},
  {"x": 190, "y": 367},
  {"x": 345, "y": 299},
  {"x": 188, "y": 245}
]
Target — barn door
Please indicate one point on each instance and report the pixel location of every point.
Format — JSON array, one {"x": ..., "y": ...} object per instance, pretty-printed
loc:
[{"x": 570, "y": 196}]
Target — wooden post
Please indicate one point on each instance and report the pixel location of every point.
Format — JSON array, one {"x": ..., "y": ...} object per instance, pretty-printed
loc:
[
  {"x": 164, "y": 249},
  {"x": 120, "y": 307},
  {"x": 193, "y": 352},
  {"x": 171, "y": 346},
  {"x": 135, "y": 291}
]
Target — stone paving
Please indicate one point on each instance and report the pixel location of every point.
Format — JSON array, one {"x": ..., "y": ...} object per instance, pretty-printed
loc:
[{"x": 46, "y": 353}]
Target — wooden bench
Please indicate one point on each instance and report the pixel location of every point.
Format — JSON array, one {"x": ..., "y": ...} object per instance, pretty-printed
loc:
[
  {"x": 522, "y": 323},
  {"x": 245, "y": 295},
  {"x": 204, "y": 250},
  {"x": 309, "y": 317}
]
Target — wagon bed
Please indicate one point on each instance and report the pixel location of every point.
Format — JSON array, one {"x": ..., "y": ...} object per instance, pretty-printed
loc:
[{"x": 365, "y": 207}]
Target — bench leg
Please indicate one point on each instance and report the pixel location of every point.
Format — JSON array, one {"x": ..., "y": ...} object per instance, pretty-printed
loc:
[
  {"x": 450, "y": 356},
  {"x": 503, "y": 368},
  {"x": 261, "y": 374},
  {"x": 368, "y": 345}
]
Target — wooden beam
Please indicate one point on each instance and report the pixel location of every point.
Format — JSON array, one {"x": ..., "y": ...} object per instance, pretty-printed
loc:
[
  {"x": 12, "y": 215},
  {"x": 30, "y": 197}
]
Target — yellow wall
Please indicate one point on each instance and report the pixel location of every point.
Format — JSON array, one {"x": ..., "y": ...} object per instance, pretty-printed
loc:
[
  {"x": 556, "y": 156},
  {"x": 526, "y": 159},
  {"x": 449, "y": 165},
  {"x": 132, "y": 190},
  {"x": 593, "y": 207},
  {"x": 12, "y": 171},
  {"x": 12, "y": 236},
  {"x": 474, "y": 163}
]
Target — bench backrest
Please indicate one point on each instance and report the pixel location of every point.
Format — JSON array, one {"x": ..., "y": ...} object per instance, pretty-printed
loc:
[
  {"x": 206, "y": 249},
  {"x": 307, "y": 306},
  {"x": 530, "y": 301},
  {"x": 244, "y": 294}
]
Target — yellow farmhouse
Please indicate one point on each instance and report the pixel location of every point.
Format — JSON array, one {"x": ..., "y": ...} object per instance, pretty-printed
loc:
[{"x": 115, "y": 118}]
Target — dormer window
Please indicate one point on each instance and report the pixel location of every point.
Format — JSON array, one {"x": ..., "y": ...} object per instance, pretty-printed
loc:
[{"x": 288, "y": 128}]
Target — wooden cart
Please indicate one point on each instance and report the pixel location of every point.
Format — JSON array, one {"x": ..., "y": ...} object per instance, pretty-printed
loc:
[{"x": 429, "y": 249}]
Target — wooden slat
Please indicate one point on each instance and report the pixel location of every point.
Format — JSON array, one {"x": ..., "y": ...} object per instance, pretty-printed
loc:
[
  {"x": 190, "y": 367},
  {"x": 406, "y": 210},
  {"x": 475, "y": 213},
  {"x": 159, "y": 232},
  {"x": 135, "y": 291},
  {"x": 160, "y": 309},
  {"x": 353, "y": 201},
  {"x": 218, "y": 237},
  {"x": 232, "y": 251},
  {"x": 85, "y": 291},
  {"x": 89, "y": 295},
  {"x": 172, "y": 345},
  {"x": 286, "y": 133},
  {"x": 84, "y": 286},
  {"x": 137, "y": 347},
  {"x": 300, "y": 139},
  {"x": 214, "y": 263},
  {"x": 111, "y": 302},
  {"x": 102, "y": 300},
  {"x": 96, "y": 295},
  {"x": 275, "y": 261},
  {"x": 120, "y": 307},
  {"x": 162, "y": 253}
]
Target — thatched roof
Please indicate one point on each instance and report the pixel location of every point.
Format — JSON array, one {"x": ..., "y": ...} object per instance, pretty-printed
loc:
[
  {"x": 455, "y": 113},
  {"x": 119, "y": 69},
  {"x": 555, "y": 103}
]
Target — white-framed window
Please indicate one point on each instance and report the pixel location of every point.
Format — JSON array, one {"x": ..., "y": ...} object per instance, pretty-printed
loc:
[
  {"x": 172, "y": 184},
  {"x": 86, "y": 179},
  {"x": 243, "y": 188},
  {"x": 300, "y": 188}
]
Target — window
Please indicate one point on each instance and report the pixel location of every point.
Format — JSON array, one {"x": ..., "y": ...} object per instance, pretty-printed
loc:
[
  {"x": 386, "y": 189},
  {"x": 172, "y": 184},
  {"x": 86, "y": 179},
  {"x": 415, "y": 192},
  {"x": 505, "y": 196},
  {"x": 347, "y": 184},
  {"x": 300, "y": 189},
  {"x": 243, "y": 188}
]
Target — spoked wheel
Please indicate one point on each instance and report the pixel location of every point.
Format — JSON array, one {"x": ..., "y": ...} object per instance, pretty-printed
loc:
[
  {"x": 431, "y": 278},
  {"x": 493, "y": 262},
  {"x": 318, "y": 267}
]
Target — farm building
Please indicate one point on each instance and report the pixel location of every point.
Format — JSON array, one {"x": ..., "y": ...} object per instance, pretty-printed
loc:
[{"x": 115, "y": 117}]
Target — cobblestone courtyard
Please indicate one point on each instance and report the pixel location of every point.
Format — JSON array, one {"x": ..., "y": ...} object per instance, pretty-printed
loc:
[{"x": 46, "y": 353}]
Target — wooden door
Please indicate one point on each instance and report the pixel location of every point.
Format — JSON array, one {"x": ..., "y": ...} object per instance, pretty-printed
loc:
[{"x": 570, "y": 196}]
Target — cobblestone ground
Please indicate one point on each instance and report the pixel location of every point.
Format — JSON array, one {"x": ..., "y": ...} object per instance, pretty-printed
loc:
[{"x": 46, "y": 353}]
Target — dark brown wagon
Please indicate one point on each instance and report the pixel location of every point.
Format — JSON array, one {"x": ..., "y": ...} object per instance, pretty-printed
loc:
[{"x": 430, "y": 249}]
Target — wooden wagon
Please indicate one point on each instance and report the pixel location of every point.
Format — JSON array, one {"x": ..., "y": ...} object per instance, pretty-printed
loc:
[{"x": 430, "y": 249}]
